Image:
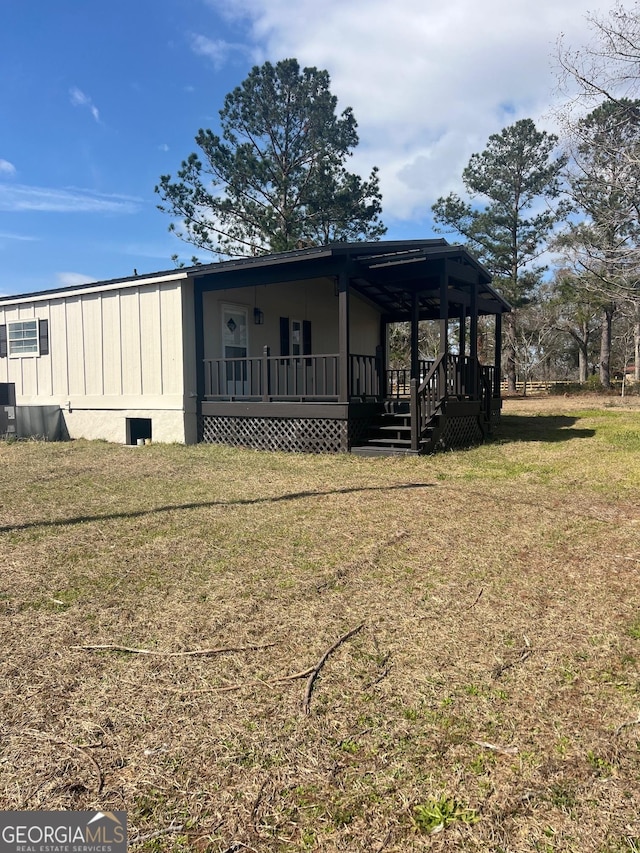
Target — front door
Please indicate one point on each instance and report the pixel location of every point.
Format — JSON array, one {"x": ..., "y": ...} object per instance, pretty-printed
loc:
[{"x": 235, "y": 347}]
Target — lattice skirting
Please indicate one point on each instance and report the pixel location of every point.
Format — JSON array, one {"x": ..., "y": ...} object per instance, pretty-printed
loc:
[
  {"x": 297, "y": 435},
  {"x": 460, "y": 432}
]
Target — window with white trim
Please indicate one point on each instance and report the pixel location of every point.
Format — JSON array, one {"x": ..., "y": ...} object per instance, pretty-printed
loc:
[{"x": 23, "y": 338}]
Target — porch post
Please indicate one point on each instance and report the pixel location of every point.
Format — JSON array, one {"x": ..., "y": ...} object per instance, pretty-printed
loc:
[
  {"x": 473, "y": 341},
  {"x": 463, "y": 332},
  {"x": 343, "y": 336},
  {"x": 198, "y": 320},
  {"x": 266, "y": 378},
  {"x": 498, "y": 356},
  {"x": 382, "y": 360},
  {"x": 415, "y": 319},
  {"x": 443, "y": 345},
  {"x": 444, "y": 313}
]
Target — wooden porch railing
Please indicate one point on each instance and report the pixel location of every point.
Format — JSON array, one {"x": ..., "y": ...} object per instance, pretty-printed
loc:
[
  {"x": 304, "y": 377},
  {"x": 317, "y": 378},
  {"x": 449, "y": 376}
]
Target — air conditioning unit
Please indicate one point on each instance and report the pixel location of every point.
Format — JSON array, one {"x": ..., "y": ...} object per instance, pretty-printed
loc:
[{"x": 7, "y": 410}]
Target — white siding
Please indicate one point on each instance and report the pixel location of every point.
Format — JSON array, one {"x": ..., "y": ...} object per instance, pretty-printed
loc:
[
  {"x": 76, "y": 365},
  {"x": 113, "y": 354},
  {"x": 111, "y": 343},
  {"x": 131, "y": 342},
  {"x": 92, "y": 331}
]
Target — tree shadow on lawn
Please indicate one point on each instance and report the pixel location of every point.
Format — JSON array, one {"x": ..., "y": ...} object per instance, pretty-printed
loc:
[
  {"x": 548, "y": 428},
  {"x": 292, "y": 496}
]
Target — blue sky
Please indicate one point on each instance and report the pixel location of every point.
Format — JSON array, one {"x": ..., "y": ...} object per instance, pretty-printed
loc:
[{"x": 98, "y": 99}]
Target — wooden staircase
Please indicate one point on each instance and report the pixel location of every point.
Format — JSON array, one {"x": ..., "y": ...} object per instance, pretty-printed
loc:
[
  {"x": 452, "y": 407},
  {"x": 390, "y": 434}
]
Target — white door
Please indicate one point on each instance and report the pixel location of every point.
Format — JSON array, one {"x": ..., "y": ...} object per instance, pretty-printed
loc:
[{"x": 234, "y": 347}]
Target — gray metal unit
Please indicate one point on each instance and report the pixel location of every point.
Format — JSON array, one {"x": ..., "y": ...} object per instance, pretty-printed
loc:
[
  {"x": 7, "y": 410},
  {"x": 43, "y": 422}
]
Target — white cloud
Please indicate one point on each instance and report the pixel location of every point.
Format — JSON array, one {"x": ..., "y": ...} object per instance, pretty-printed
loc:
[
  {"x": 428, "y": 82},
  {"x": 71, "y": 279},
  {"x": 79, "y": 99},
  {"x": 217, "y": 51},
  {"x": 9, "y": 235},
  {"x": 7, "y": 168},
  {"x": 20, "y": 197}
]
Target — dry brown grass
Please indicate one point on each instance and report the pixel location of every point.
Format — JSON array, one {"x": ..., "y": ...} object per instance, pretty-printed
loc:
[{"x": 497, "y": 665}]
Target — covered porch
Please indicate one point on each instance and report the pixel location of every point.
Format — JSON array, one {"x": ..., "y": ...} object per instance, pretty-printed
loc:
[{"x": 294, "y": 396}]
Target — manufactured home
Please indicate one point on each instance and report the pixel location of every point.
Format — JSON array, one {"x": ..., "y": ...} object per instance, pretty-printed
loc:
[{"x": 284, "y": 352}]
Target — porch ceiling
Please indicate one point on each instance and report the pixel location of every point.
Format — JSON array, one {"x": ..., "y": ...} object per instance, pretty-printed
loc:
[{"x": 391, "y": 279}]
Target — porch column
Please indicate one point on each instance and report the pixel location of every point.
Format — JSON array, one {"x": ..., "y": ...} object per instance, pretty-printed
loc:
[
  {"x": 498, "y": 356},
  {"x": 415, "y": 319},
  {"x": 198, "y": 320},
  {"x": 382, "y": 360},
  {"x": 473, "y": 341},
  {"x": 444, "y": 313},
  {"x": 462, "y": 345},
  {"x": 343, "y": 337}
]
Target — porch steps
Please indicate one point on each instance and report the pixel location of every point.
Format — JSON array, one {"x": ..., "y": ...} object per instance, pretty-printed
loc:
[{"x": 390, "y": 435}]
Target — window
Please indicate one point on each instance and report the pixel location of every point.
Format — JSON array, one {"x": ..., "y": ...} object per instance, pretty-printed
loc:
[
  {"x": 295, "y": 337},
  {"x": 24, "y": 338}
]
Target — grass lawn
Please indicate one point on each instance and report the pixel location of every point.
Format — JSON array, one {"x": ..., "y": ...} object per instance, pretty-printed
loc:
[{"x": 488, "y": 697}]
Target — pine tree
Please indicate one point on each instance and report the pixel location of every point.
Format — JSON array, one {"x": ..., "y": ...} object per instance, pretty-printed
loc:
[{"x": 276, "y": 179}]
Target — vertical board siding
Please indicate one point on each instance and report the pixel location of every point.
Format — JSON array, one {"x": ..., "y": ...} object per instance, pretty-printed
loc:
[
  {"x": 126, "y": 342},
  {"x": 150, "y": 341},
  {"x": 130, "y": 340},
  {"x": 92, "y": 331},
  {"x": 75, "y": 346},
  {"x": 58, "y": 347},
  {"x": 111, "y": 344},
  {"x": 171, "y": 339}
]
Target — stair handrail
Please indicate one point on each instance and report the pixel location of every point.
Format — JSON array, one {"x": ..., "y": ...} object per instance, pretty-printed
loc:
[{"x": 425, "y": 399}]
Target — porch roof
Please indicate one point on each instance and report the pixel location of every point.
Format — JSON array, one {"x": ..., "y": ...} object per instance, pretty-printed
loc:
[{"x": 387, "y": 273}]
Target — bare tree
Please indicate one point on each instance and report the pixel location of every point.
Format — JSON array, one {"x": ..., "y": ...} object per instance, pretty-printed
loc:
[
  {"x": 608, "y": 68},
  {"x": 604, "y": 165}
]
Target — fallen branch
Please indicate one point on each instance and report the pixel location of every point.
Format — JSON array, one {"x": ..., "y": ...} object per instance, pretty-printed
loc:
[
  {"x": 302, "y": 674},
  {"x": 192, "y": 653},
  {"x": 504, "y": 750},
  {"x": 476, "y": 599},
  {"x": 626, "y": 725},
  {"x": 81, "y": 748},
  {"x": 316, "y": 669}
]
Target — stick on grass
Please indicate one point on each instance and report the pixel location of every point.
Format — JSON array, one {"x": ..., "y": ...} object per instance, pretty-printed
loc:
[
  {"x": 306, "y": 704},
  {"x": 81, "y": 748},
  {"x": 190, "y": 653}
]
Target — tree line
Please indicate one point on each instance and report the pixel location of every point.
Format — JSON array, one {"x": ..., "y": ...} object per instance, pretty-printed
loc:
[
  {"x": 573, "y": 201},
  {"x": 554, "y": 218}
]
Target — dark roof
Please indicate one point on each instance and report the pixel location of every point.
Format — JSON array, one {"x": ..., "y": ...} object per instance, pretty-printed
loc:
[{"x": 386, "y": 272}]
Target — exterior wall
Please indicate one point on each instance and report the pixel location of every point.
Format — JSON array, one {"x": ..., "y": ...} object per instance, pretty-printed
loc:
[
  {"x": 314, "y": 300},
  {"x": 111, "y": 425},
  {"x": 114, "y": 353}
]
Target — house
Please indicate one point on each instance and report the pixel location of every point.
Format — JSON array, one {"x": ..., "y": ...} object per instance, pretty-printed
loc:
[{"x": 285, "y": 351}]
